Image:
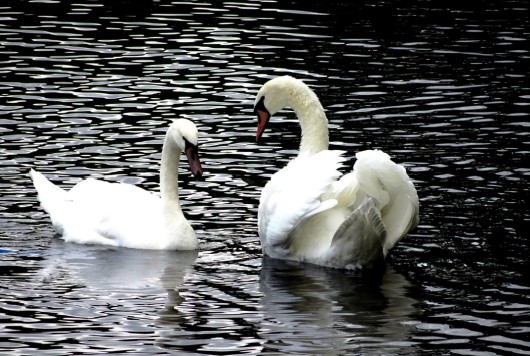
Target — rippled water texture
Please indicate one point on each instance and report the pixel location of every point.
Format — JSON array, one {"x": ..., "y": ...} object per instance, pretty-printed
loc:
[{"x": 87, "y": 88}]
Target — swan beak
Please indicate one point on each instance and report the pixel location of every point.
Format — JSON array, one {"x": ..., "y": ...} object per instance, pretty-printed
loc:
[
  {"x": 192, "y": 152},
  {"x": 263, "y": 119}
]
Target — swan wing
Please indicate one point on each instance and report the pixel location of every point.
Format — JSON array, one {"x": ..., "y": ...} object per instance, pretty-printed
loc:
[
  {"x": 383, "y": 207},
  {"x": 293, "y": 195},
  {"x": 393, "y": 193},
  {"x": 98, "y": 212},
  {"x": 123, "y": 214},
  {"x": 359, "y": 240}
]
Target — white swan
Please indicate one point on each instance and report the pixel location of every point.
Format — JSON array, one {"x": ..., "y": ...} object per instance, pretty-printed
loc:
[
  {"x": 117, "y": 214},
  {"x": 307, "y": 213}
]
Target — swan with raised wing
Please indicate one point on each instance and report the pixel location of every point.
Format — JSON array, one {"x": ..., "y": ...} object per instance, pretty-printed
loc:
[
  {"x": 309, "y": 212},
  {"x": 118, "y": 214}
]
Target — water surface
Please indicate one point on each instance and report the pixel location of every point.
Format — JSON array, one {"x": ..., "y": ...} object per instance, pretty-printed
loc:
[{"x": 88, "y": 89}]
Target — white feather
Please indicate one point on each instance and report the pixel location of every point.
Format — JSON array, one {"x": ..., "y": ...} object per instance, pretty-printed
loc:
[
  {"x": 117, "y": 214},
  {"x": 307, "y": 213},
  {"x": 294, "y": 194}
]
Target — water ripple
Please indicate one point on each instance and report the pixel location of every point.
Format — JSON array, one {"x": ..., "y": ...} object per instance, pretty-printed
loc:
[{"x": 89, "y": 89}]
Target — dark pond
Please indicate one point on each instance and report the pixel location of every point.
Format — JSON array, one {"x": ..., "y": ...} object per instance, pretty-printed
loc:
[{"x": 87, "y": 88}]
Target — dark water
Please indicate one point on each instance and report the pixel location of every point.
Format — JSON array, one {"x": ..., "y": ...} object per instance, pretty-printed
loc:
[{"x": 87, "y": 89}]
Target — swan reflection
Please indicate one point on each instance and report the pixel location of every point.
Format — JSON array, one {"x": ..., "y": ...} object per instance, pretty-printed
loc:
[
  {"x": 114, "y": 270},
  {"x": 314, "y": 309}
]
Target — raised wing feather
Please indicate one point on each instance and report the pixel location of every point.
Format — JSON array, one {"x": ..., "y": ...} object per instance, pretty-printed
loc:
[
  {"x": 392, "y": 190},
  {"x": 359, "y": 241}
]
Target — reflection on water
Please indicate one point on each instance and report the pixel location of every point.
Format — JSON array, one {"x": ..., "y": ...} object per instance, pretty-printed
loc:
[
  {"x": 88, "y": 89},
  {"x": 313, "y": 310},
  {"x": 86, "y": 298},
  {"x": 112, "y": 269}
]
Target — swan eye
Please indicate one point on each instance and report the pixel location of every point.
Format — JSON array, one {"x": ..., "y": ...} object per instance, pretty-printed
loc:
[
  {"x": 190, "y": 146},
  {"x": 262, "y": 112},
  {"x": 260, "y": 106}
]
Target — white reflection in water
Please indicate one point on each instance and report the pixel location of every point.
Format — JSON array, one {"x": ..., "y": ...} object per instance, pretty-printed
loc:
[
  {"x": 113, "y": 270},
  {"x": 319, "y": 310}
]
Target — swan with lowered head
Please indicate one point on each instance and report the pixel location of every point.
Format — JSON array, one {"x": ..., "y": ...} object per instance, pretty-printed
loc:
[
  {"x": 118, "y": 214},
  {"x": 308, "y": 212}
]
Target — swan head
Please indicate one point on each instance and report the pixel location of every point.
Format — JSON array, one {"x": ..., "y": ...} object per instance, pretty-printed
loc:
[
  {"x": 273, "y": 96},
  {"x": 186, "y": 137}
]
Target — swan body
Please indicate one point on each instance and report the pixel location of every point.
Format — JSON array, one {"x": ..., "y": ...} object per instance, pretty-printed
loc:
[
  {"x": 118, "y": 214},
  {"x": 310, "y": 212}
]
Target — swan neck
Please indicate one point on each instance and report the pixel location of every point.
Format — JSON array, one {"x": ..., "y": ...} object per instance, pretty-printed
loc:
[
  {"x": 313, "y": 121},
  {"x": 169, "y": 190}
]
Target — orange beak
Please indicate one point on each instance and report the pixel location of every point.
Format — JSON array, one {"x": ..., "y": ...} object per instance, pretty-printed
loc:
[
  {"x": 263, "y": 119},
  {"x": 192, "y": 152}
]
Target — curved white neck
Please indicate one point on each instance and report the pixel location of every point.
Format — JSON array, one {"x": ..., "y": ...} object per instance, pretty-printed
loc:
[
  {"x": 313, "y": 120},
  {"x": 179, "y": 233},
  {"x": 169, "y": 165}
]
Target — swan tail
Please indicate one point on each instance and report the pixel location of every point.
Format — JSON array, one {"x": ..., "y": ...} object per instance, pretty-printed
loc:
[
  {"x": 358, "y": 242},
  {"x": 50, "y": 195},
  {"x": 392, "y": 190}
]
